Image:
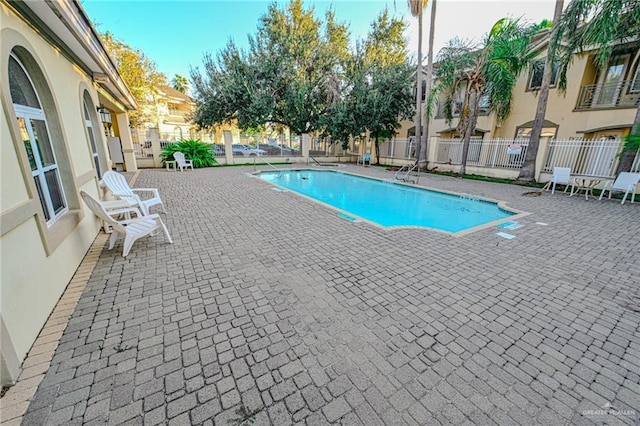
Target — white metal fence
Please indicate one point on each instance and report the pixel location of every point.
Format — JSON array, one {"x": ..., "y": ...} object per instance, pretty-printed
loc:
[
  {"x": 398, "y": 148},
  {"x": 597, "y": 157},
  {"x": 142, "y": 142},
  {"x": 501, "y": 153},
  {"x": 635, "y": 167},
  {"x": 325, "y": 147},
  {"x": 584, "y": 156}
]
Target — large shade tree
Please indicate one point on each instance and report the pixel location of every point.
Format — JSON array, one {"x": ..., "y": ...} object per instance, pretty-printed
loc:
[
  {"x": 375, "y": 99},
  {"x": 377, "y": 86},
  {"x": 299, "y": 72},
  {"x": 140, "y": 74},
  {"x": 289, "y": 75},
  {"x": 486, "y": 73},
  {"x": 602, "y": 25},
  {"x": 389, "y": 100}
]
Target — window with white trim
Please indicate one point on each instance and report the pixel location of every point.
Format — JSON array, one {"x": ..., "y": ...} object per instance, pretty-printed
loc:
[
  {"x": 92, "y": 139},
  {"x": 535, "y": 78},
  {"x": 635, "y": 82},
  {"x": 34, "y": 131}
]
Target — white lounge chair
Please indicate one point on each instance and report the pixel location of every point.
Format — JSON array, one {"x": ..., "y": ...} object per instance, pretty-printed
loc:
[
  {"x": 562, "y": 176},
  {"x": 625, "y": 182},
  {"x": 119, "y": 187},
  {"x": 182, "y": 162},
  {"x": 131, "y": 229}
]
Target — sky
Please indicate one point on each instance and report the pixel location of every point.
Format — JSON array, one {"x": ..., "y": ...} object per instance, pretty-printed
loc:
[{"x": 175, "y": 34}]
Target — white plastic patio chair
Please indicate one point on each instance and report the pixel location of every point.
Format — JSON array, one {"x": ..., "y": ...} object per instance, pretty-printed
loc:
[
  {"x": 366, "y": 158},
  {"x": 131, "y": 229},
  {"x": 119, "y": 187},
  {"x": 625, "y": 182},
  {"x": 562, "y": 176},
  {"x": 182, "y": 162}
]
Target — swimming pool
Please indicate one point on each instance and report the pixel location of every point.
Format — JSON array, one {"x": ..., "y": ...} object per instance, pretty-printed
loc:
[{"x": 389, "y": 204}]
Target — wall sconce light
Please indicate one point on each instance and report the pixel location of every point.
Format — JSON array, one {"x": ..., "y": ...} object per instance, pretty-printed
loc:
[{"x": 105, "y": 115}]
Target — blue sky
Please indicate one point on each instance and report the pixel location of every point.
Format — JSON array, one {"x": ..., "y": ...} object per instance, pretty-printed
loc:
[{"x": 176, "y": 33}]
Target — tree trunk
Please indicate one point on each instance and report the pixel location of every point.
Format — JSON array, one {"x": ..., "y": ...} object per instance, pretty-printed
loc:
[
  {"x": 377, "y": 150},
  {"x": 528, "y": 170},
  {"x": 424, "y": 146},
  {"x": 469, "y": 128},
  {"x": 627, "y": 157},
  {"x": 418, "y": 120}
]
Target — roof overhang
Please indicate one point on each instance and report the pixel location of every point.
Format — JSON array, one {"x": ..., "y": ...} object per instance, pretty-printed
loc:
[
  {"x": 545, "y": 123},
  {"x": 600, "y": 129},
  {"x": 67, "y": 27},
  {"x": 453, "y": 129},
  {"x": 175, "y": 123}
]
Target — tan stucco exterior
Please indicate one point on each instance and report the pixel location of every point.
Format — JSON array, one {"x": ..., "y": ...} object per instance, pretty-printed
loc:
[
  {"x": 561, "y": 108},
  {"x": 37, "y": 259},
  {"x": 174, "y": 114}
]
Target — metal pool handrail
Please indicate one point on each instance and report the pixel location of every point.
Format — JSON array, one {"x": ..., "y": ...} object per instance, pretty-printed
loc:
[
  {"x": 266, "y": 162},
  {"x": 410, "y": 167}
]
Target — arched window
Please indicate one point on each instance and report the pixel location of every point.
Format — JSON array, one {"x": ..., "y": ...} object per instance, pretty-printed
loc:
[
  {"x": 33, "y": 127},
  {"x": 177, "y": 133},
  {"x": 93, "y": 146}
]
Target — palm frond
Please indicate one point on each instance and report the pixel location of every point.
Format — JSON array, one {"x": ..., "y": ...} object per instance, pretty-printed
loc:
[
  {"x": 417, "y": 6},
  {"x": 593, "y": 24}
]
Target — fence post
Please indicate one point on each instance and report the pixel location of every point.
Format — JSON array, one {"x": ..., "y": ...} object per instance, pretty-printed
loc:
[
  {"x": 228, "y": 146},
  {"x": 393, "y": 147},
  {"x": 154, "y": 134},
  {"x": 305, "y": 142},
  {"x": 495, "y": 151},
  {"x": 540, "y": 157},
  {"x": 433, "y": 150}
]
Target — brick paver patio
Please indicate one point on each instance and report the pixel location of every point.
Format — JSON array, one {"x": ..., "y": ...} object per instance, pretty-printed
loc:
[{"x": 272, "y": 302}]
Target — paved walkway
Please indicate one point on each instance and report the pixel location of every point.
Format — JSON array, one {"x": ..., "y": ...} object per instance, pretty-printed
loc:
[{"x": 272, "y": 302}]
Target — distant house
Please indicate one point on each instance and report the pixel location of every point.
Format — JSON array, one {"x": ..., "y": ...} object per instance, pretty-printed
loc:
[
  {"x": 63, "y": 123},
  {"x": 171, "y": 113},
  {"x": 173, "y": 117}
]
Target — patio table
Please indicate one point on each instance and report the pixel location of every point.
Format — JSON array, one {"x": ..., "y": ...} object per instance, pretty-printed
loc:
[{"x": 586, "y": 184}]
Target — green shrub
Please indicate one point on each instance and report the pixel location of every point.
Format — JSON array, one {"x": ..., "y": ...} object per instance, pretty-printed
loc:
[{"x": 194, "y": 150}]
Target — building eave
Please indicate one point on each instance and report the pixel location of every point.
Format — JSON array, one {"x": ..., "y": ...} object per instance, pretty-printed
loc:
[
  {"x": 67, "y": 27},
  {"x": 600, "y": 129},
  {"x": 452, "y": 129}
]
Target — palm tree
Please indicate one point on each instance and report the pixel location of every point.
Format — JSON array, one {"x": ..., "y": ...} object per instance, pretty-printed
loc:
[
  {"x": 417, "y": 7},
  {"x": 180, "y": 83},
  {"x": 422, "y": 158},
  {"x": 528, "y": 170},
  {"x": 599, "y": 24},
  {"x": 487, "y": 74}
]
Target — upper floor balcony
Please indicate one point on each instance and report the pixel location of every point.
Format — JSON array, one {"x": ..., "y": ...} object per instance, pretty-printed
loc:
[
  {"x": 620, "y": 94},
  {"x": 457, "y": 108},
  {"x": 175, "y": 112}
]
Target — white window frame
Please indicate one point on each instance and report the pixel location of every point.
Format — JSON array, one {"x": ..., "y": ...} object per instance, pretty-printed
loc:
[
  {"x": 93, "y": 147},
  {"x": 553, "y": 77},
  {"x": 173, "y": 109},
  {"x": 634, "y": 87},
  {"x": 27, "y": 114}
]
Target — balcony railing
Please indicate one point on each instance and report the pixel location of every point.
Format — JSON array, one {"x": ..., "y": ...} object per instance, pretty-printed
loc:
[
  {"x": 482, "y": 110},
  {"x": 623, "y": 94}
]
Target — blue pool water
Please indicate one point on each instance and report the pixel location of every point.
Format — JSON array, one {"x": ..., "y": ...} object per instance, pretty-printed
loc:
[{"x": 386, "y": 203}]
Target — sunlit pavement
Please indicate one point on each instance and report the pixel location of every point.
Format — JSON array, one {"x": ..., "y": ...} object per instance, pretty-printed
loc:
[{"x": 270, "y": 307}]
